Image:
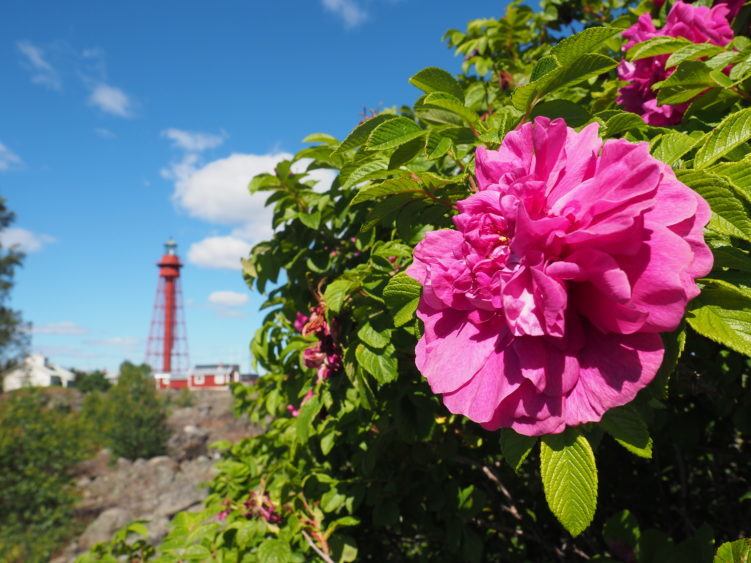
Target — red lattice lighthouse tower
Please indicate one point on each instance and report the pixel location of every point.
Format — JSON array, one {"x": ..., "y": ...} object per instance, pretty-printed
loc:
[{"x": 167, "y": 347}]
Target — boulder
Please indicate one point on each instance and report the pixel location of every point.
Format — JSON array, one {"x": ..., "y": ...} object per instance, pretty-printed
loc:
[{"x": 105, "y": 525}]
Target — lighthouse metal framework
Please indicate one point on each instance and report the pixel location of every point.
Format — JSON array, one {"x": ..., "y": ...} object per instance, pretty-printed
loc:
[{"x": 167, "y": 346}]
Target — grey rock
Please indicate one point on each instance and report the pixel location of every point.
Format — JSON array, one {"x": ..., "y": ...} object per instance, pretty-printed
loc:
[{"x": 106, "y": 524}]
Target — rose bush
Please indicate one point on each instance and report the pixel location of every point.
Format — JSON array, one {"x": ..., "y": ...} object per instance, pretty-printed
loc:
[{"x": 517, "y": 248}]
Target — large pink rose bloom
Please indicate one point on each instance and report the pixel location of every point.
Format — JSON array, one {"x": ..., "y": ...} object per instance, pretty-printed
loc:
[
  {"x": 698, "y": 24},
  {"x": 544, "y": 308}
]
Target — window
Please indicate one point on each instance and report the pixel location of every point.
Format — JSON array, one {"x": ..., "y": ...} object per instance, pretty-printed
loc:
[{"x": 197, "y": 380}]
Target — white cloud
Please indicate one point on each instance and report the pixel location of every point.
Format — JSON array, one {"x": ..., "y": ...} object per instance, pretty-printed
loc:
[
  {"x": 42, "y": 72},
  {"x": 24, "y": 240},
  {"x": 61, "y": 328},
  {"x": 115, "y": 341},
  {"x": 193, "y": 141},
  {"x": 112, "y": 100},
  {"x": 8, "y": 158},
  {"x": 350, "y": 11},
  {"x": 219, "y": 252},
  {"x": 105, "y": 133},
  {"x": 228, "y": 298}
]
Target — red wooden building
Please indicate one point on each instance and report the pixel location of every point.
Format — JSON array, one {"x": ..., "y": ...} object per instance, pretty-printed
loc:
[{"x": 209, "y": 376}]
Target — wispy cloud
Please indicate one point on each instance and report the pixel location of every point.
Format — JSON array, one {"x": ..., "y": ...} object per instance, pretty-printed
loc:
[
  {"x": 228, "y": 298},
  {"x": 194, "y": 141},
  {"x": 41, "y": 70},
  {"x": 112, "y": 100},
  {"x": 62, "y": 328},
  {"x": 105, "y": 133},
  {"x": 8, "y": 159},
  {"x": 115, "y": 342},
  {"x": 350, "y": 11},
  {"x": 24, "y": 240}
]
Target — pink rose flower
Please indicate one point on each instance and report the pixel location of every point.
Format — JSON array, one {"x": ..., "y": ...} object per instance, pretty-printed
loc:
[
  {"x": 734, "y": 6},
  {"x": 544, "y": 308},
  {"x": 313, "y": 357},
  {"x": 698, "y": 24}
]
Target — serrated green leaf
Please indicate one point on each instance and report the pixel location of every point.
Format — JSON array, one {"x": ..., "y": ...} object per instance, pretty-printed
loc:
[
  {"x": 393, "y": 133},
  {"x": 516, "y": 447},
  {"x": 662, "y": 45},
  {"x": 433, "y": 79},
  {"x": 738, "y": 174},
  {"x": 574, "y": 114},
  {"x": 453, "y": 104},
  {"x": 544, "y": 66},
  {"x": 674, "y": 145},
  {"x": 381, "y": 364},
  {"x": 336, "y": 292},
  {"x": 394, "y": 186},
  {"x": 569, "y": 478},
  {"x": 692, "y": 52},
  {"x": 360, "y": 134},
  {"x": 323, "y": 138},
  {"x": 729, "y": 216},
  {"x": 738, "y": 551},
  {"x": 722, "y": 313},
  {"x": 304, "y": 421},
  {"x": 690, "y": 79},
  {"x": 274, "y": 551},
  {"x": 582, "y": 43},
  {"x": 402, "y": 295},
  {"x": 622, "y": 122},
  {"x": 372, "y": 337},
  {"x": 627, "y": 427},
  {"x": 361, "y": 171},
  {"x": 579, "y": 70},
  {"x": 732, "y": 132}
]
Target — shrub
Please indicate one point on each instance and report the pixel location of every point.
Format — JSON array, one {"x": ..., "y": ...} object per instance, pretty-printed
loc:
[
  {"x": 96, "y": 380},
  {"x": 134, "y": 417},
  {"x": 362, "y": 458},
  {"x": 39, "y": 445}
]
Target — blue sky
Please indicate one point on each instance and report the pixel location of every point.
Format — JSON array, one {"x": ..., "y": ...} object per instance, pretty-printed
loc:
[{"x": 122, "y": 124}]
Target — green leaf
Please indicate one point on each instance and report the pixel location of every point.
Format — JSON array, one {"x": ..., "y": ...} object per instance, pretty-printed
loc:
[
  {"x": 732, "y": 132},
  {"x": 574, "y": 114},
  {"x": 402, "y": 295},
  {"x": 739, "y": 175},
  {"x": 583, "y": 68},
  {"x": 304, "y": 420},
  {"x": 336, "y": 292},
  {"x": 692, "y": 52},
  {"x": 626, "y": 425},
  {"x": 453, "y": 104},
  {"x": 360, "y": 133},
  {"x": 311, "y": 220},
  {"x": 274, "y": 551},
  {"x": 382, "y": 364},
  {"x": 323, "y": 138},
  {"x": 583, "y": 43},
  {"x": 623, "y": 122},
  {"x": 394, "y": 186},
  {"x": 433, "y": 79},
  {"x": 569, "y": 478},
  {"x": 690, "y": 79},
  {"x": 372, "y": 337},
  {"x": 673, "y": 145},
  {"x": 516, "y": 447},
  {"x": 656, "y": 46},
  {"x": 393, "y": 133},
  {"x": 729, "y": 216},
  {"x": 621, "y": 532},
  {"x": 722, "y": 313},
  {"x": 738, "y": 551}
]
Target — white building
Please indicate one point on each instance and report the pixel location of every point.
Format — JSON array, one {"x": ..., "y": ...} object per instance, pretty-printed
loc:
[{"x": 36, "y": 371}]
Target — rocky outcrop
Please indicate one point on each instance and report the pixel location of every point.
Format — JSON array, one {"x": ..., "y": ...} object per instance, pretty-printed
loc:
[{"x": 115, "y": 492}]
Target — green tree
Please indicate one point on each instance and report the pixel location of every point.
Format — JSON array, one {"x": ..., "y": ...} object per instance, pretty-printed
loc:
[
  {"x": 13, "y": 336},
  {"x": 88, "y": 381},
  {"x": 137, "y": 418},
  {"x": 40, "y": 442}
]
